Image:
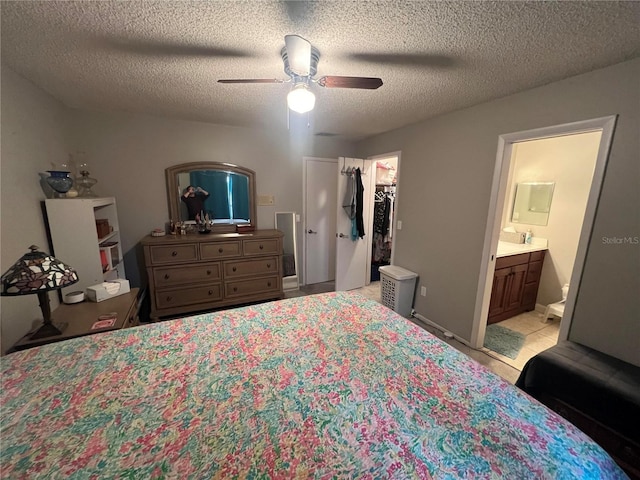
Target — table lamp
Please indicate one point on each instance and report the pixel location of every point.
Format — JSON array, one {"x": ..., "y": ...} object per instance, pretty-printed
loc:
[{"x": 37, "y": 272}]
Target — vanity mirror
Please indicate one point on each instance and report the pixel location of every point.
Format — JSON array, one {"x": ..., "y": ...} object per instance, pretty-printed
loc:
[
  {"x": 225, "y": 192},
  {"x": 532, "y": 203}
]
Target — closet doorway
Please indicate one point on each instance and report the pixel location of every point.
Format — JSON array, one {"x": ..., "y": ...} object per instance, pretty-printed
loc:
[{"x": 381, "y": 226}]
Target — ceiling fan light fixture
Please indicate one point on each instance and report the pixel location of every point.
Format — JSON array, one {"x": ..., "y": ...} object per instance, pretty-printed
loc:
[{"x": 300, "y": 99}]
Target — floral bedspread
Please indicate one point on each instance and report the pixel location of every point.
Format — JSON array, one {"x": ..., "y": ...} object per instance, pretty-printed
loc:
[{"x": 325, "y": 386}]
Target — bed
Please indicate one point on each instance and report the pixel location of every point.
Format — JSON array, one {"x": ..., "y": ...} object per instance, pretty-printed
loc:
[{"x": 324, "y": 386}]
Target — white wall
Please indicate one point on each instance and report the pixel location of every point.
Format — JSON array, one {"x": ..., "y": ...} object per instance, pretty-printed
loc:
[
  {"x": 33, "y": 136},
  {"x": 569, "y": 161},
  {"x": 446, "y": 178}
]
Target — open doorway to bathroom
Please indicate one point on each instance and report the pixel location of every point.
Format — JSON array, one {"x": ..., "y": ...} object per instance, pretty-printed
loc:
[{"x": 546, "y": 188}]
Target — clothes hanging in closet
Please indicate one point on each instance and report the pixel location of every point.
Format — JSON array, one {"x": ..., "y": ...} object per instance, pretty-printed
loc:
[
  {"x": 383, "y": 211},
  {"x": 359, "y": 201}
]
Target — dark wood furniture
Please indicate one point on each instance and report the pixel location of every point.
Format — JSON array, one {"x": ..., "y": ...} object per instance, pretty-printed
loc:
[
  {"x": 190, "y": 273},
  {"x": 598, "y": 393},
  {"x": 81, "y": 317},
  {"x": 515, "y": 285}
]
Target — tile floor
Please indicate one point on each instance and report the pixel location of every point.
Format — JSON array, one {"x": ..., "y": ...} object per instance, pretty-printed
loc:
[
  {"x": 539, "y": 336},
  {"x": 489, "y": 359}
]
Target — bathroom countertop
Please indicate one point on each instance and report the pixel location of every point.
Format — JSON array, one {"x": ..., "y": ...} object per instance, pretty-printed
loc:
[{"x": 506, "y": 248}]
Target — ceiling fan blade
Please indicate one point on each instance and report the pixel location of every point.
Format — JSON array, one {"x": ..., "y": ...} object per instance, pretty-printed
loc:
[
  {"x": 331, "y": 81},
  {"x": 251, "y": 80},
  {"x": 299, "y": 54}
]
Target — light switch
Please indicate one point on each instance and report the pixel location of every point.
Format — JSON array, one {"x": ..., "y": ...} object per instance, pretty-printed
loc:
[
  {"x": 399, "y": 225},
  {"x": 264, "y": 200},
  {"x": 297, "y": 217}
]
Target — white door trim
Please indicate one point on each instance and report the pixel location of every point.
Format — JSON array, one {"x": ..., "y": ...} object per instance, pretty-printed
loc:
[
  {"x": 496, "y": 205},
  {"x": 303, "y": 281}
]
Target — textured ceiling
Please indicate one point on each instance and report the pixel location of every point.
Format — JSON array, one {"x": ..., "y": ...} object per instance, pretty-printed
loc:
[{"x": 164, "y": 58}]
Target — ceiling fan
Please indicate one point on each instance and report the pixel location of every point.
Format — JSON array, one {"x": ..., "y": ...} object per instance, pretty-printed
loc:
[{"x": 301, "y": 64}]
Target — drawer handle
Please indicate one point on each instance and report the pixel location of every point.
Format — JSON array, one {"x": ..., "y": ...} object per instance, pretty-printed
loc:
[
  {"x": 210, "y": 292},
  {"x": 235, "y": 289},
  {"x": 261, "y": 247},
  {"x": 234, "y": 269},
  {"x": 220, "y": 250},
  {"x": 174, "y": 253},
  {"x": 166, "y": 276},
  {"x": 268, "y": 284},
  {"x": 268, "y": 265},
  {"x": 208, "y": 272},
  {"x": 169, "y": 298}
]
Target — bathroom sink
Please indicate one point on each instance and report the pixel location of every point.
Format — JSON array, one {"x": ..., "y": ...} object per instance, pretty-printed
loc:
[{"x": 506, "y": 248}]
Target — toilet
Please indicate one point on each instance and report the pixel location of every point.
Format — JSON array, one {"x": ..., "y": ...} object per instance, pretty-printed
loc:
[{"x": 556, "y": 309}]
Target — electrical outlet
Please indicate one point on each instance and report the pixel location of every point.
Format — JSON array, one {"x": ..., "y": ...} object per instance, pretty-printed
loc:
[
  {"x": 423, "y": 291},
  {"x": 399, "y": 225}
]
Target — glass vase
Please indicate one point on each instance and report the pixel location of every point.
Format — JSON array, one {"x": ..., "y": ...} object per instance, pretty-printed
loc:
[
  {"x": 85, "y": 183},
  {"x": 60, "y": 181}
]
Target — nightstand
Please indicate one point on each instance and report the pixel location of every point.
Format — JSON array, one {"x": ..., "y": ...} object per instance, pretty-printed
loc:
[{"x": 82, "y": 316}]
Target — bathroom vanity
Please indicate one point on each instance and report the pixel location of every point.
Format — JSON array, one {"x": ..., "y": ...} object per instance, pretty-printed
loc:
[{"x": 515, "y": 281}]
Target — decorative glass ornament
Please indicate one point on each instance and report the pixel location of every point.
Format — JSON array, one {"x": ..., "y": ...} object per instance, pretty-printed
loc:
[
  {"x": 85, "y": 183},
  {"x": 60, "y": 181}
]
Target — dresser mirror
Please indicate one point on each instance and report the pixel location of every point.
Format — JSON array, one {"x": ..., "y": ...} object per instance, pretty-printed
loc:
[{"x": 222, "y": 191}]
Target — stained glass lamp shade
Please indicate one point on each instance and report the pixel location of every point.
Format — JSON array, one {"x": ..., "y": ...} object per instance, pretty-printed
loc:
[{"x": 38, "y": 273}]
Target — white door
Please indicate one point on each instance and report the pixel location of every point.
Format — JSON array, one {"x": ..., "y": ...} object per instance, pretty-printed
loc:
[
  {"x": 351, "y": 255},
  {"x": 320, "y": 219}
]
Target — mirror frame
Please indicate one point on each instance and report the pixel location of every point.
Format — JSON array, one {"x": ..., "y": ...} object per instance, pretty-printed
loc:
[{"x": 171, "y": 175}]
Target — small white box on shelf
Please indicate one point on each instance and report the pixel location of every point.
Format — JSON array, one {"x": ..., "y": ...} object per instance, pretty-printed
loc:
[{"x": 107, "y": 290}]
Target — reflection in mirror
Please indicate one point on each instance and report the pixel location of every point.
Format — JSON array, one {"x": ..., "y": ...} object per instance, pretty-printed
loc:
[
  {"x": 221, "y": 191},
  {"x": 532, "y": 203},
  {"x": 286, "y": 223}
]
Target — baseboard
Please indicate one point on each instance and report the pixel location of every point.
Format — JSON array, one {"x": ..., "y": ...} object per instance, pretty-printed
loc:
[{"x": 445, "y": 332}]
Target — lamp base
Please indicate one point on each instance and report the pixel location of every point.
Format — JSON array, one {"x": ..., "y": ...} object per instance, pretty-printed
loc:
[{"x": 48, "y": 330}]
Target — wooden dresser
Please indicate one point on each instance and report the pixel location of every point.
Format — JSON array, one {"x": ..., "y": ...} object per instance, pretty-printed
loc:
[{"x": 189, "y": 273}]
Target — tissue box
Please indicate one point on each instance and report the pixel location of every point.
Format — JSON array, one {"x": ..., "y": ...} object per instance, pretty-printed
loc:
[
  {"x": 512, "y": 237},
  {"x": 107, "y": 290}
]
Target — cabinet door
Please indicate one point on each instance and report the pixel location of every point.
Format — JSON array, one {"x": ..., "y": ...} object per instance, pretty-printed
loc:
[
  {"x": 498, "y": 291},
  {"x": 516, "y": 290}
]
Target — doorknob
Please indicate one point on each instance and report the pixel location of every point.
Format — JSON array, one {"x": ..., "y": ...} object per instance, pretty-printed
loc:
[
  {"x": 342, "y": 235},
  {"x": 311, "y": 231}
]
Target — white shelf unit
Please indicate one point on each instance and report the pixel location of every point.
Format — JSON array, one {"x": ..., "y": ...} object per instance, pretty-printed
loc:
[{"x": 74, "y": 236}]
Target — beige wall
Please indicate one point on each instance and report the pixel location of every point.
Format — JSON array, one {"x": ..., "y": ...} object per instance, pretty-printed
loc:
[
  {"x": 445, "y": 186},
  {"x": 569, "y": 161},
  {"x": 33, "y": 136}
]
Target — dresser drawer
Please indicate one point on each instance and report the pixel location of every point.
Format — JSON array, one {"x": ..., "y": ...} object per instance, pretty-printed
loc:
[
  {"x": 173, "y": 254},
  {"x": 241, "y": 268},
  {"x": 267, "y": 246},
  {"x": 178, "y": 297},
  {"x": 251, "y": 286},
  {"x": 193, "y": 273},
  {"x": 214, "y": 251}
]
